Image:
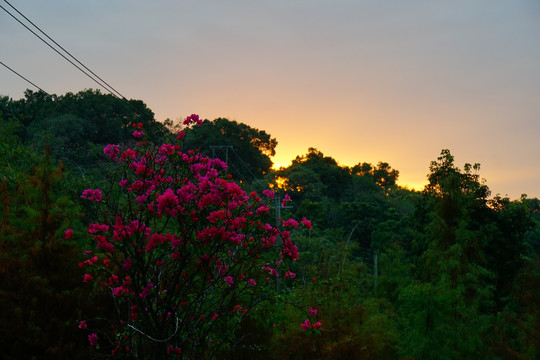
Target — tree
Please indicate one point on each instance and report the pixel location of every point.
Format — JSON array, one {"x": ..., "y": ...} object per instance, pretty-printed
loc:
[
  {"x": 384, "y": 175},
  {"x": 470, "y": 252},
  {"x": 73, "y": 124},
  {"x": 335, "y": 179},
  {"x": 41, "y": 295},
  {"x": 185, "y": 253},
  {"x": 246, "y": 150},
  {"x": 446, "y": 310}
]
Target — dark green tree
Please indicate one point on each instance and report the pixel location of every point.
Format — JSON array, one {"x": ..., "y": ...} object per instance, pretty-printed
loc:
[
  {"x": 41, "y": 294},
  {"x": 76, "y": 126},
  {"x": 246, "y": 150},
  {"x": 469, "y": 250},
  {"x": 333, "y": 180},
  {"x": 384, "y": 175}
]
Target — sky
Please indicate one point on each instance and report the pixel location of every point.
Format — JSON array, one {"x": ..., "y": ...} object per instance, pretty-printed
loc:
[{"x": 362, "y": 81}]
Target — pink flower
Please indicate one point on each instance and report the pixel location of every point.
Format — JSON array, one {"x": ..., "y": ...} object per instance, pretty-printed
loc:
[
  {"x": 216, "y": 216},
  {"x": 289, "y": 249},
  {"x": 251, "y": 282},
  {"x": 93, "y": 339},
  {"x": 92, "y": 195},
  {"x": 139, "y": 166},
  {"x": 286, "y": 199},
  {"x": 317, "y": 325},
  {"x": 102, "y": 243},
  {"x": 118, "y": 291},
  {"x": 97, "y": 228},
  {"x": 290, "y": 223},
  {"x": 166, "y": 149},
  {"x": 138, "y": 133},
  {"x": 112, "y": 151},
  {"x": 155, "y": 240},
  {"x": 215, "y": 316},
  {"x": 263, "y": 209},
  {"x": 306, "y": 325},
  {"x": 83, "y": 325},
  {"x": 270, "y": 270},
  {"x": 290, "y": 274},
  {"x": 229, "y": 280},
  {"x": 68, "y": 233},
  {"x": 87, "y": 278},
  {"x": 312, "y": 311},
  {"x": 193, "y": 119},
  {"x": 146, "y": 290},
  {"x": 129, "y": 154},
  {"x": 269, "y": 193},
  {"x": 306, "y": 223},
  {"x": 167, "y": 202}
]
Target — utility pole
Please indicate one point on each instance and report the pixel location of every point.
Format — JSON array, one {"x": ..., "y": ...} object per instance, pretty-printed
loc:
[
  {"x": 277, "y": 206},
  {"x": 226, "y": 147},
  {"x": 375, "y": 270}
]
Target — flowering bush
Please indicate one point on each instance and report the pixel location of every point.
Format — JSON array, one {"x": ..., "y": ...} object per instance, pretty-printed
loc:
[{"x": 183, "y": 250}]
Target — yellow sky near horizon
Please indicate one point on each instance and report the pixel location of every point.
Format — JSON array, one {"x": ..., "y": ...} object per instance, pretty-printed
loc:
[{"x": 361, "y": 81}]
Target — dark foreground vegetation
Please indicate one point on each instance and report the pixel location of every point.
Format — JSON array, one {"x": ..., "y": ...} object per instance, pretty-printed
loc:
[{"x": 450, "y": 272}]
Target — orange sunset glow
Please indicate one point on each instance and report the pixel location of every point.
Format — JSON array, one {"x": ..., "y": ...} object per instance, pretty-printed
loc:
[{"x": 360, "y": 81}]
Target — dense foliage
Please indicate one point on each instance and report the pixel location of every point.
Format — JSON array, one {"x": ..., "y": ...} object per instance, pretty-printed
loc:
[{"x": 450, "y": 272}]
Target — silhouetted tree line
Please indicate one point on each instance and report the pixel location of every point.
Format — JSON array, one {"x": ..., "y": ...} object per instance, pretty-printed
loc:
[{"x": 450, "y": 272}]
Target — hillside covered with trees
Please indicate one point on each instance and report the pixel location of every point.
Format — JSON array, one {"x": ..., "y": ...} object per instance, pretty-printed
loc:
[{"x": 450, "y": 272}]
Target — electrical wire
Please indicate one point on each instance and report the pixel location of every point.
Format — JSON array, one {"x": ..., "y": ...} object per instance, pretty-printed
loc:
[
  {"x": 243, "y": 163},
  {"x": 67, "y": 52},
  {"x": 102, "y": 84},
  {"x": 75, "y": 111},
  {"x": 69, "y": 107},
  {"x": 22, "y": 77}
]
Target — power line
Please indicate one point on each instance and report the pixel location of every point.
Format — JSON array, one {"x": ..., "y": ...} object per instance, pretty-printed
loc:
[
  {"x": 22, "y": 77},
  {"x": 102, "y": 84},
  {"x": 67, "y": 52},
  {"x": 243, "y": 163},
  {"x": 69, "y": 107}
]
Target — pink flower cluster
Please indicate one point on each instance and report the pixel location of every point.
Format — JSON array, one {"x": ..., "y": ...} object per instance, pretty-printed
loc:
[
  {"x": 229, "y": 280},
  {"x": 183, "y": 232},
  {"x": 138, "y": 130},
  {"x": 112, "y": 151},
  {"x": 92, "y": 195},
  {"x": 306, "y": 223},
  {"x": 193, "y": 119},
  {"x": 291, "y": 223},
  {"x": 269, "y": 193},
  {"x": 93, "y": 339},
  {"x": 286, "y": 200},
  {"x": 306, "y": 325}
]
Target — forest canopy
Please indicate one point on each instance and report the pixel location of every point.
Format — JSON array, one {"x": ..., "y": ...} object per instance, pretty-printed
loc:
[{"x": 449, "y": 272}]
